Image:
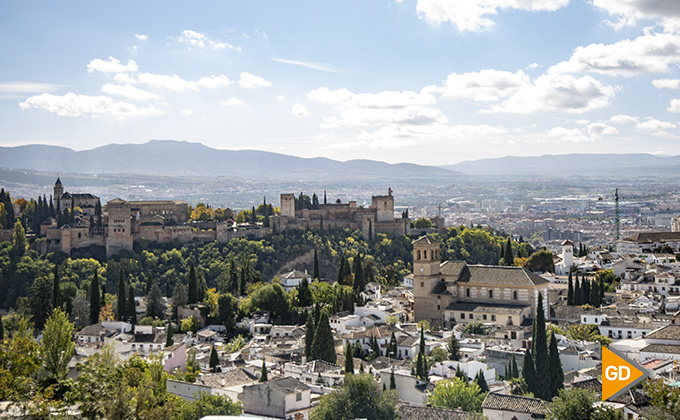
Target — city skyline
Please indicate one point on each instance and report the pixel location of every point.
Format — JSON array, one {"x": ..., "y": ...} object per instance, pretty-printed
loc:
[{"x": 421, "y": 81}]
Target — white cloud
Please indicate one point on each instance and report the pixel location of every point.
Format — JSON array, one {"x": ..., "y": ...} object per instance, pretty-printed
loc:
[
  {"x": 111, "y": 66},
  {"x": 624, "y": 119},
  {"x": 653, "y": 126},
  {"x": 130, "y": 92},
  {"x": 629, "y": 11},
  {"x": 299, "y": 110},
  {"x": 666, "y": 83},
  {"x": 601, "y": 129},
  {"x": 314, "y": 66},
  {"x": 674, "y": 106},
  {"x": 200, "y": 40},
  {"x": 484, "y": 86},
  {"x": 555, "y": 92},
  {"x": 16, "y": 89},
  {"x": 232, "y": 102},
  {"x": 186, "y": 112},
  {"x": 162, "y": 81},
  {"x": 649, "y": 53},
  {"x": 280, "y": 98},
  {"x": 474, "y": 15},
  {"x": 250, "y": 81},
  {"x": 141, "y": 37},
  {"x": 560, "y": 134},
  {"x": 376, "y": 109},
  {"x": 124, "y": 78},
  {"x": 212, "y": 82},
  {"x": 74, "y": 105}
]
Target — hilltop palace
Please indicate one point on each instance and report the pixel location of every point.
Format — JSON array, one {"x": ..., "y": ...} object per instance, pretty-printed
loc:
[{"x": 125, "y": 222}]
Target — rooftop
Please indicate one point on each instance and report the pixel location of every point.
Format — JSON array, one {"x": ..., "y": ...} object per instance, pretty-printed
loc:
[{"x": 514, "y": 403}]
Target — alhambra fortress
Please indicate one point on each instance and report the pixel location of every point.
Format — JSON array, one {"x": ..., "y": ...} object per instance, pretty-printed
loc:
[{"x": 126, "y": 222}]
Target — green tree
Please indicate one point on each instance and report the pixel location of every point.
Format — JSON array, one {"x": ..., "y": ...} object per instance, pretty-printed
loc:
[
  {"x": 214, "y": 360},
  {"x": 509, "y": 257},
  {"x": 316, "y": 266},
  {"x": 529, "y": 371},
  {"x": 453, "y": 348},
  {"x": 455, "y": 393},
  {"x": 515, "y": 370},
  {"x": 122, "y": 301},
  {"x": 227, "y": 306},
  {"x": 475, "y": 327},
  {"x": 209, "y": 405},
  {"x": 556, "y": 374},
  {"x": 179, "y": 297},
  {"x": 359, "y": 397},
  {"x": 57, "y": 344},
  {"x": 94, "y": 299},
  {"x": 56, "y": 292},
  {"x": 309, "y": 336},
  {"x": 359, "y": 281},
  {"x": 585, "y": 285},
  {"x": 578, "y": 292},
  {"x": 391, "y": 350},
  {"x": 155, "y": 307},
  {"x": 169, "y": 332},
  {"x": 570, "y": 290},
  {"x": 304, "y": 294},
  {"x": 541, "y": 387},
  {"x": 19, "y": 242},
  {"x": 2, "y": 331},
  {"x": 131, "y": 307},
  {"x": 323, "y": 346},
  {"x": 422, "y": 223},
  {"x": 665, "y": 400},
  {"x": 393, "y": 381},
  {"x": 20, "y": 363},
  {"x": 263, "y": 372},
  {"x": 578, "y": 404},
  {"x": 349, "y": 360},
  {"x": 481, "y": 381},
  {"x": 193, "y": 284},
  {"x": 41, "y": 300},
  {"x": 540, "y": 261}
]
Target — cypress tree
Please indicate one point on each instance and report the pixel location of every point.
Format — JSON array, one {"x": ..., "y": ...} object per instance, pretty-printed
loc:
[
  {"x": 358, "y": 275},
  {"x": 2, "y": 331},
  {"x": 556, "y": 372},
  {"x": 169, "y": 340},
  {"x": 263, "y": 372},
  {"x": 528, "y": 371},
  {"x": 316, "y": 266},
  {"x": 131, "y": 307},
  {"x": 509, "y": 257},
  {"x": 122, "y": 302},
  {"x": 502, "y": 257},
  {"x": 309, "y": 336},
  {"x": 102, "y": 302},
  {"x": 515, "y": 370},
  {"x": 323, "y": 347},
  {"x": 540, "y": 352},
  {"x": 56, "y": 292},
  {"x": 370, "y": 230},
  {"x": 341, "y": 270},
  {"x": 508, "y": 370},
  {"x": 94, "y": 299},
  {"x": 392, "y": 348},
  {"x": 324, "y": 197},
  {"x": 393, "y": 381},
  {"x": 214, "y": 360},
  {"x": 193, "y": 284},
  {"x": 601, "y": 291},
  {"x": 570, "y": 291},
  {"x": 595, "y": 294},
  {"x": 420, "y": 369},
  {"x": 585, "y": 285},
  {"x": 578, "y": 293},
  {"x": 453, "y": 348},
  {"x": 481, "y": 381},
  {"x": 349, "y": 360}
]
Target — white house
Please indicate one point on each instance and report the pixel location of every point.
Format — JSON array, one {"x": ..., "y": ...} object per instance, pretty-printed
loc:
[
  {"x": 285, "y": 398},
  {"x": 292, "y": 279}
]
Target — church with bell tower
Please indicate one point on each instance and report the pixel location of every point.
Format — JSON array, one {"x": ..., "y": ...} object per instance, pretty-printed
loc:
[{"x": 454, "y": 292}]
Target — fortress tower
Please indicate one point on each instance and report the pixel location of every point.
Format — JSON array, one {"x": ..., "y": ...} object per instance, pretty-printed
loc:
[
  {"x": 119, "y": 232},
  {"x": 426, "y": 271},
  {"x": 58, "y": 192}
]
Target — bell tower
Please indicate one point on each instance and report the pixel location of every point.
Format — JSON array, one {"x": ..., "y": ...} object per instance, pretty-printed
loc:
[
  {"x": 58, "y": 190},
  {"x": 426, "y": 275}
]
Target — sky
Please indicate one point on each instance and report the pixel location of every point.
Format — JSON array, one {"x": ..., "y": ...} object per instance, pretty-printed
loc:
[{"x": 432, "y": 82}]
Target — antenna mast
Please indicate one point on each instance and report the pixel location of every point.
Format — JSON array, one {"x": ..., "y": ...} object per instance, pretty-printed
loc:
[{"x": 616, "y": 215}]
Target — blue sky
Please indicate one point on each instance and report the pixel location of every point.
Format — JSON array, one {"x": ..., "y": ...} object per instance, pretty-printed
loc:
[{"x": 423, "y": 81}]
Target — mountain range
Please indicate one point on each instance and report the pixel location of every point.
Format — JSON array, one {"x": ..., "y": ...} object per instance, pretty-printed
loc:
[
  {"x": 178, "y": 158},
  {"x": 181, "y": 158}
]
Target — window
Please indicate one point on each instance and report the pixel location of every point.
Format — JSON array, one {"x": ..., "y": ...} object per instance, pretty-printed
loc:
[
  {"x": 467, "y": 292},
  {"x": 438, "y": 307},
  {"x": 514, "y": 294},
  {"x": 422, "y": 284},
  {"x": 493, "y": 317},
  {"x": 425, "y": 254},
  {"x": 472, "y": 316},
  {"x": 298, "y": 396},
  {"x": 490, "y": 294},
  {"x": 462, "y": 316},
  {"x": 484, "y": 317},
  {"x": 418, "y": 254}
]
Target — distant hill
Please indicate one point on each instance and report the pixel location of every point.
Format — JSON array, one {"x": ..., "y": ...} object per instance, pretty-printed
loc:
[
  {"x": 606, "y": 165},
  {"x": 177, "y": 158}
]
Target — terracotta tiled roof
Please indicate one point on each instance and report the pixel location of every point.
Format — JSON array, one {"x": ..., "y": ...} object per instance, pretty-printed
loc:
[
  {"x": 431, "y": 413},
  {"x": 514, "y": 403},
  {"x": 669, "y": 332}
]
